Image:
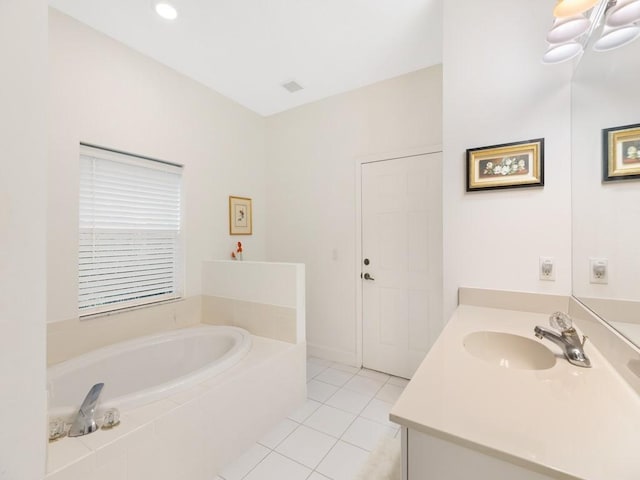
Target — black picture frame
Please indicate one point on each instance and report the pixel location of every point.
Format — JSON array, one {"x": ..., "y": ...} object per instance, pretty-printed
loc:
[
  {"x": 507, "y": 165},
  {"x": 621, "y": 153}
]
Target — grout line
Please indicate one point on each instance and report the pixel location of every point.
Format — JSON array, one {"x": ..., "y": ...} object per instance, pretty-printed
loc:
[
  {"x": 374, "y": 397},
  {"x": 256, "y": 465},
  {"x": 314, "y": 468},
  {"x": 288, "y": 458},
  {"x": 356, "y": 416},
  {"x": 341, "y": 437},
  {"x": 307, "y": 466},
  {"x": 285, "y": 437},
  {"x": 352, "y": 389}
]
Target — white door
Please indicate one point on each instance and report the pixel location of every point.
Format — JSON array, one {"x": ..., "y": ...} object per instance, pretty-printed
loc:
[{"x": 401, "y": 261}]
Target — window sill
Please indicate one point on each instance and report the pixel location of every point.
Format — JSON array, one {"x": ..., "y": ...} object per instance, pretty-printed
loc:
[{"x": 91, "y": 316}]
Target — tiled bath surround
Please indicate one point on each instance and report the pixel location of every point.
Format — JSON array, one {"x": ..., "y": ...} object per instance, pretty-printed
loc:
[
  {"x": 74, "y": 337},
  {"x": 192, "y": 434},
  {"x": 272, "y": 321},
  {"x": 265, "y": 298}
]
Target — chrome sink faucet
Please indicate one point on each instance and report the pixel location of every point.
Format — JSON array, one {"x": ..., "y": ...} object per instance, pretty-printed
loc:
[
  {"x": 568, "y": 339},
  {"x": 84, "y": 421}
]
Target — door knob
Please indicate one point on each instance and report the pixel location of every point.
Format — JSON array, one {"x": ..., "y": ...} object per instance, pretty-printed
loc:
[{"x": 368, "y": 277}]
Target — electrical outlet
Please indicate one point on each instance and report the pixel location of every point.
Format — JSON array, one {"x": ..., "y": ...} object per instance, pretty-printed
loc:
[
  {"x": 547, "y": 269},
  {"x": 599, "y": 270}
]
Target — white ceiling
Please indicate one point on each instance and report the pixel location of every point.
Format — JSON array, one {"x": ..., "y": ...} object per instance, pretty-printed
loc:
[{"x": 246, "y": 49}]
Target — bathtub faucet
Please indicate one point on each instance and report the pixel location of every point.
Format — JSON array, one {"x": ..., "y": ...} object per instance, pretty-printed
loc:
[{"x": 84, "y": 422}]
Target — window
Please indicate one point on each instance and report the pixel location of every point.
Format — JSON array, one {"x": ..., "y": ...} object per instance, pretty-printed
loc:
[{"x": 129, "y": 231}]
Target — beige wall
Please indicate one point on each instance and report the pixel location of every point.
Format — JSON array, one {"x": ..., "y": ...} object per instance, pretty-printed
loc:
[
  {"x": 23, "y": 130},
  {"x": 496, "y": 90},
  {"x": 107, "y": 94},
  {"x": 104, "y": 93},
  {"x": 265, "y": 298},
  {"x": 312, "y": 153}
]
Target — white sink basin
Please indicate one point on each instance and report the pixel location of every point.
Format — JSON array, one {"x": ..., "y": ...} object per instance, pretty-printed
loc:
[{"x": 509, "y": 351}]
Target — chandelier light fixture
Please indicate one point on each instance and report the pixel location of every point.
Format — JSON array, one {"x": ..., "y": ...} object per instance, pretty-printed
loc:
[
  {"x": 608, "y": 24},
  {"x": 567, "y": 8}
]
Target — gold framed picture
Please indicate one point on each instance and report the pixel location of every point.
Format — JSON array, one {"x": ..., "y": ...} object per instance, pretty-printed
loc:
[
  {"x": 621, "y": 153},
  {"x": 240, "y": 216},
  {"x": 510, "y": 165}
]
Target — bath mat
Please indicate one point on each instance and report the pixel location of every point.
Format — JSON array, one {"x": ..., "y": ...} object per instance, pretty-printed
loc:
[{"x": 383, "y": 462}]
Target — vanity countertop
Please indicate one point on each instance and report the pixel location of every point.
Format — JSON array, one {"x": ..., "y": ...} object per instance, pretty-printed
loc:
[{"x": 566, "y": 422}]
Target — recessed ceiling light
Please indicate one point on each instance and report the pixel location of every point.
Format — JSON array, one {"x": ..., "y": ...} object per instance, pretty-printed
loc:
[{"x": 166, "y": 10}]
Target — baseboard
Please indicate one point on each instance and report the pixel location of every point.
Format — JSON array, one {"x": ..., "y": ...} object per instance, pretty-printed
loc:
[{"x": 332, "y": 354}]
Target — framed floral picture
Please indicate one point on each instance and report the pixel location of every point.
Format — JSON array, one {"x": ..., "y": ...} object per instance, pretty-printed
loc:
[
  {"x": 621, "y": 153},
  {"x": 510, "y": 165},
  {"x": 240, "y": 216}
]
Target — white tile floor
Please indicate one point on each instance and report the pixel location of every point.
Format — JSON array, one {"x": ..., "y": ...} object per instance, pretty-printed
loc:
[{"x": 331, "y": 435}]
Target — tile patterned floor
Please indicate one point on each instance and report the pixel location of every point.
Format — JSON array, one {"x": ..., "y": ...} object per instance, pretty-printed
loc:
[{"x": 331, "y": 435}]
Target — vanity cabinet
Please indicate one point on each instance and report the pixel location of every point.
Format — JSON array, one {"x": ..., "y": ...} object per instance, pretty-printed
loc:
[
  {"x": 489, "y": 411},
  {"x": 429, "y": 458}
]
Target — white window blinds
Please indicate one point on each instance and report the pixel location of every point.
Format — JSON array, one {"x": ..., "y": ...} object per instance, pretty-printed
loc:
[{"x": 129, "y": 231}]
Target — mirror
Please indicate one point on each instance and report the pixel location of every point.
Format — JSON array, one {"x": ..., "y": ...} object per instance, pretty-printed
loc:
[{"x": 606, "y": 215}]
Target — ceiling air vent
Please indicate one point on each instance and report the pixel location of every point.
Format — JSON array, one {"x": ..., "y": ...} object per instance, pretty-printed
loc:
[{"x": 292, "y": 86}]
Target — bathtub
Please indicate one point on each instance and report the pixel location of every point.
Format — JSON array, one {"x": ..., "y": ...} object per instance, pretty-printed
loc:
[{"x": 146, "y": 369}]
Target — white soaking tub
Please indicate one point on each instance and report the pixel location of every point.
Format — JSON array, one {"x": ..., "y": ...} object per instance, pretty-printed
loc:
[{"x": 146, "y": 369}]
